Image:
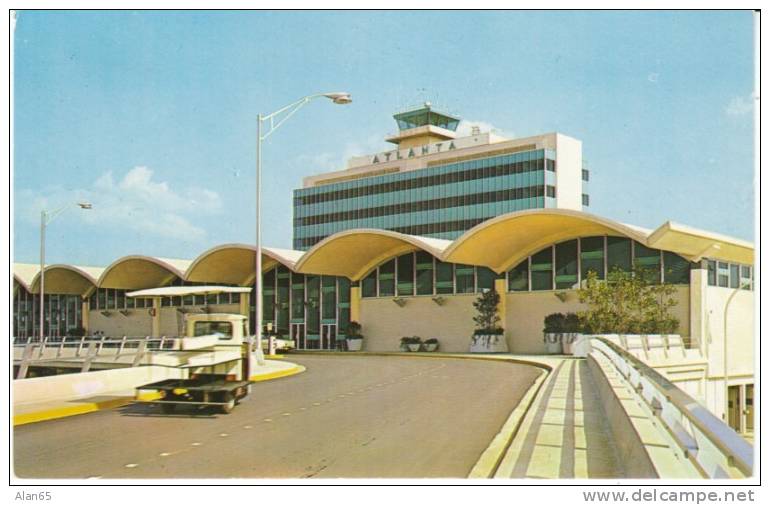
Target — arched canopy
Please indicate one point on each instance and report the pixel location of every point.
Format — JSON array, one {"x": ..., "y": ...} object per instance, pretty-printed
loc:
[
  {"x": 695, "y": 244},
  {"x": 68, "y": 279},
  {"x": 139, "y": 272},
  {"x": 234, "y": 263},
  {"x": 352, "y": 253},
  {"x": 24, "y": 274},
  {"x": 504, "y": 241}
]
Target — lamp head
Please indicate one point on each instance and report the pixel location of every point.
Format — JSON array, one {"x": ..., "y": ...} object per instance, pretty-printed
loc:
[{"x": 340, "y": 98}]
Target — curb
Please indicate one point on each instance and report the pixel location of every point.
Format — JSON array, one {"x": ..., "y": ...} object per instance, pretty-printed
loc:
[
  {"x": 493, "y": 455},
  {"x": 278, "y": 374},
  {"x": 86, "y": 408},
  {"x": 75, "y": 410}
]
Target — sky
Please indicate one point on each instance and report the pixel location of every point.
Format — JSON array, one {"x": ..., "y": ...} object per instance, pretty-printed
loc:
[{"x": 151, "y": 116}]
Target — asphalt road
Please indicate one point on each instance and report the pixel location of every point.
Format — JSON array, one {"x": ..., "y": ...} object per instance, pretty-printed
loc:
[{"x": 346, "y": 416}]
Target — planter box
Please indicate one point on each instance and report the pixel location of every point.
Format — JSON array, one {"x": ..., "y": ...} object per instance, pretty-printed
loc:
[
  {"x": 568, "y": 342},
  {"x": 355, "y": 344},
  {"x": 488, "y": 343},
  {"x": 414, "y": 347},
  {"x": 430, "y": 347},
  {"x": 552, "y": 343}
]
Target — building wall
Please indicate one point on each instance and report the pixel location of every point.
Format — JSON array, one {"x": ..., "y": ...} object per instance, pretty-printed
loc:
[
  {"x": 383, "y": 323},
  {"x": 569, "y": 166},
  {"x": 525, "y": 312},
  {"x": 139, "y": 323}
]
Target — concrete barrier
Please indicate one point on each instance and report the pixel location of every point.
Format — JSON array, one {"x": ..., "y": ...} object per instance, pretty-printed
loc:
[{"x": 83, "y": 385}]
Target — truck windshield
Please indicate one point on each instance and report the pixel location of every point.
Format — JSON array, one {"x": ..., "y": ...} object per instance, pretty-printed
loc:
[{"x": 222, "y": 328}]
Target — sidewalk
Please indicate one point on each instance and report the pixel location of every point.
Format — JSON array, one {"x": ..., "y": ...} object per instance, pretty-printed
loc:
[
  {"x": 564, "y": 435},
  {"x": 25, "y": 413}
]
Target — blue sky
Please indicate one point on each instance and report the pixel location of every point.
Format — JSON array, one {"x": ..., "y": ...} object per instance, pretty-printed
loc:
[{"x": 152, "y": 115}]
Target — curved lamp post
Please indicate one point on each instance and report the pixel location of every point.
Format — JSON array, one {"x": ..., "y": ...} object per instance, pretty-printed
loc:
[
  {"x": 274, "y": 121},
  {"x": 45, "y": 219}
]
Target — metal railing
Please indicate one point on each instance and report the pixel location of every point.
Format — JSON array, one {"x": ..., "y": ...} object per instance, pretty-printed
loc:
[
  {"x": 87, "y": 349},
  {"x": 715, "y": 449}
]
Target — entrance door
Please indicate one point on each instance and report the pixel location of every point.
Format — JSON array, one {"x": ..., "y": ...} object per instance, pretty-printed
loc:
[
  {"x": 749, "y": 411},
  {"x": 298, "y": 334},
  {"x": 734, "y": 407},
  {"x": 328, "y": 336}
]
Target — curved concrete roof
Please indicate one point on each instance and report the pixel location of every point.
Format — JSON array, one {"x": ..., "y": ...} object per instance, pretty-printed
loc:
[
  {"x": 24, "y": 274},
  {"x": 353, "y": 253},
  {"x": 502, "y": 242},
  {"x": 68, "y": 279},
  {"x": 695, "y": 244},
  {"x": 234, "y": 263},
  {"x": 139, "y": 272}
]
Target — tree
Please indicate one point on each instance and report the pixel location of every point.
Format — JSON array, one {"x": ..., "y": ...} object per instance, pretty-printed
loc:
[
  {"x": 627, "y": 302},
  {"x": 487, "y": 319}
]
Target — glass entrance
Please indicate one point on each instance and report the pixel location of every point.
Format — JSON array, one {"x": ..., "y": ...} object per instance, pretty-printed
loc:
[
  {"x": 749, "y": 411},
  {"x": 298, "y": 335},
  {"x": 328, "y": 336},
  {"x": 734, "y": 407}
]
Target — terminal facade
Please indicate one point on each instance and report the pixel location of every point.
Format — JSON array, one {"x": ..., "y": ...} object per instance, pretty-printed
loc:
[{"x": 402, "y": 242}]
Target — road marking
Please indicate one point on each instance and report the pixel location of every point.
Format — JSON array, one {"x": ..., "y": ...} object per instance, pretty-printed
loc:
[
  {"x": 286, "y": 414},
  {"x": 196, "y": 444},
  {"x": 164, "y": 454},
  {"x": 247, "y": 427},
  {"x": 316, "y": 404},
  {"x": 268, "y": 420},
  {"x": 303, "y": 408},
  {"x": 131, "y": 465},
  {"x": 223, "y": 435}
]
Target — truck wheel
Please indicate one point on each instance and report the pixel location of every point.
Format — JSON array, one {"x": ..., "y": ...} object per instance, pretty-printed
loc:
[
  {"x": 229, "y": 405},
  {"x": 167, "y": 408}
]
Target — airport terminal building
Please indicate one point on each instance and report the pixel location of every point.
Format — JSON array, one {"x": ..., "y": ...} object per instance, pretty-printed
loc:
[{"x": 402, "y": 241}]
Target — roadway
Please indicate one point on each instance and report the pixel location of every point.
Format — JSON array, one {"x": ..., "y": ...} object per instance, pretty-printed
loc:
[{"x": 346, "y": 416}]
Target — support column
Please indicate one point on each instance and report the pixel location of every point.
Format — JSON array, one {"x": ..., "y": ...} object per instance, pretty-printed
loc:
[
  {"x": 244, "y": 309},
  {"x": 85, "y": 316},
  {"x": 355, "y": 302},
  {"x": 500, "y": 287},
  {"x": 156, "y": 317},
  {"x": 698, "y": 315}
]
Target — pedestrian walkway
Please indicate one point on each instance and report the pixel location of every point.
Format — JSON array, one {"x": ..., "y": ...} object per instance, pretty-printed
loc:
[{"x": 565, "y": 434}]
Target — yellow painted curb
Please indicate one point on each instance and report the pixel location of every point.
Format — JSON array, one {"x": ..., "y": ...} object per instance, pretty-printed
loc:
[
  {"x": 490, "y": 459},
  {"x": 74, "y": 410},
  {"x": 276, "y": 375}
]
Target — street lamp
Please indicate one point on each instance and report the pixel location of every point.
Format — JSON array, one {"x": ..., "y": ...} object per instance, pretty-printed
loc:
[
  {"x": 45, "y": 218},
  {"x": 275, "y": 120}
]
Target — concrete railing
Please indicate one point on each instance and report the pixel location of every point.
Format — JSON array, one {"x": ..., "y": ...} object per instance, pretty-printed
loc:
[{"x": 714, "y": 448}]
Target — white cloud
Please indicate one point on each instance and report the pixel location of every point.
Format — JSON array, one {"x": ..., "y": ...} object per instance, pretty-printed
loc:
[
  {"x": 740, "y": 105},
  {"x": 136, "y": 202},
  {"x": 328, "y": 161}
]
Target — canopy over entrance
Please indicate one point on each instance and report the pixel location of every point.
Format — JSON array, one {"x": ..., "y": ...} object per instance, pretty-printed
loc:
[{"x": 186, "y": 291}]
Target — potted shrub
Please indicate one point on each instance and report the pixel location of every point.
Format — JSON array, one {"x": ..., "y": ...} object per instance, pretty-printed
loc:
[
  {"x": 571, "y": 332},
  {"x": 488, "y": 335},
  {"x": 553, "y": 329},
  {"x": 354, "y": 339},
  {"x": 431, "y": 344},
  {"x": 413, "y": 344}
]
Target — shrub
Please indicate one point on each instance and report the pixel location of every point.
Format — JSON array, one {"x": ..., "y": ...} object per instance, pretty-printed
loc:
[
  {"x": 411, "y": 340},
  {"x": 353, "y": 331},
  {"x": 432, "y": 341},
  {"x": 554, "y": 323},
  {"x": 627, "y": 302},
  {"x": 487, "y": 318}
]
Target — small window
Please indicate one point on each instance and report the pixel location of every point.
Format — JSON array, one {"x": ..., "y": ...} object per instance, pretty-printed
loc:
[
  {"x": 734, "y": 276},
  {"x": 550, "y": 191},
  {"x": 518, "y": 277},
  {"x": 223, "y": 329},
  {"x": 585, "y": 175},
  {"x": 745, "y": 277},
  {"x": 712, "y": 273},
  {"x": 586, "y": 200},
  {"x": 723, "y": 275}
]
